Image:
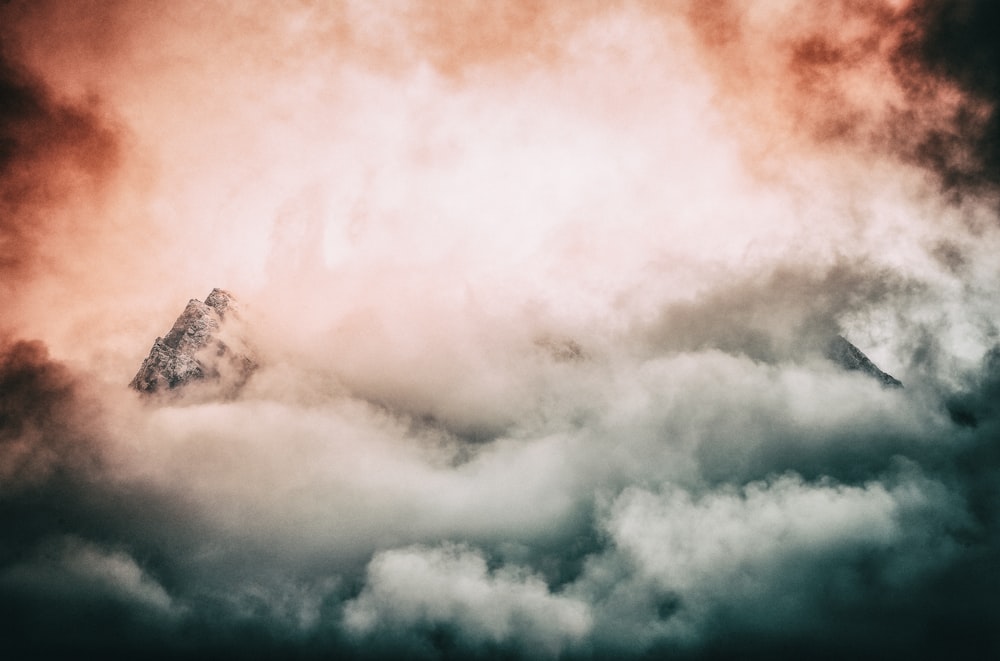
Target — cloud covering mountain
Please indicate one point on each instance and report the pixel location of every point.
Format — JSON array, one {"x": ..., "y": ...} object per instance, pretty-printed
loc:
[{"x": 541, "y": 297}]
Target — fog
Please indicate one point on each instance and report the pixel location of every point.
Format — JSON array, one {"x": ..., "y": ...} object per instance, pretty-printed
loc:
[{"x": 539, "y": 295}]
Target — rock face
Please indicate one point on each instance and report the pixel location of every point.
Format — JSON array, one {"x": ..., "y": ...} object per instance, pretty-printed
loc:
[
  {"x": 206, "y": 345},
  {"x": 850, "y": 357}
]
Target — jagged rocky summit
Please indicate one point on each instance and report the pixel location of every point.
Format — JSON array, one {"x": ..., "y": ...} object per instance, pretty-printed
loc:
[
  {"x": 206, "y": 346},
  {"x": 850, "y": 357}
]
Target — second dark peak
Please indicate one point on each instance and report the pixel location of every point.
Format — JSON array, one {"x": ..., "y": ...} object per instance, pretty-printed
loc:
[{"x": 849, "y": 357}]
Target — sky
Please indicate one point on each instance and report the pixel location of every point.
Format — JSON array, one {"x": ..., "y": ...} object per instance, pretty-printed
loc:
[{"x": 539, "y": 294}]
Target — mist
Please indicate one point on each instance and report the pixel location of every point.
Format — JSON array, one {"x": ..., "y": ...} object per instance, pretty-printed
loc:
[{"x": 540, "y": 297}]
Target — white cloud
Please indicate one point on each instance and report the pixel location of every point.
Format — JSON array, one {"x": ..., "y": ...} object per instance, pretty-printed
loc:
[
  {"x": 771, "y": 555},
  {"x": 420, "y": 588}
]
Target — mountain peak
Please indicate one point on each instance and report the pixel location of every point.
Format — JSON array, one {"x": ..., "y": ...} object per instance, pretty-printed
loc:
[
  {"x": 852, "y": 358},
  {"x": 206, "y": 344},
  {"x": 221, "y": 300}
]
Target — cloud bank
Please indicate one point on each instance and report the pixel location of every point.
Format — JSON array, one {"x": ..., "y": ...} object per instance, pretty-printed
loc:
[{"x": 540, "y": 294}]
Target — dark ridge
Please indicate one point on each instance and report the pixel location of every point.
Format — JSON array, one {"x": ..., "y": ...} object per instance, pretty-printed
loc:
[{"x": 852, "y": 358}]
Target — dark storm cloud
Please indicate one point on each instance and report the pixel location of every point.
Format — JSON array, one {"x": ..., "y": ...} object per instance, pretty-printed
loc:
[
  {"x": 914, "y": 81},
  {"x": 49, "y": 150},
  {"x": 59, "y": 512},
  {"x": 49, "y": 489},
  {"x": 958, "y": 40},
  {"x": 43, "y": 431}
]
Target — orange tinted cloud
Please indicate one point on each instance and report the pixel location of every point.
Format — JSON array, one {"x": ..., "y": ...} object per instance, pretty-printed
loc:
[{"x": 54, "y": 155}]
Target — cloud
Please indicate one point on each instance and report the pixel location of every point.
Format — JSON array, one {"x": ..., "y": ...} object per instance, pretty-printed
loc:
[
  {"x": 540, "y": 297},
  {"x": 953, "y": 41},
  {"x": 82, "y": 570},
  {"x": 43, "y": 432},
  {"x": 772, "y": 557},
  {"x": 52, "y": 152},
  {"x": 449, "y": 592},
  {"x": 910, "y": 80}
]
